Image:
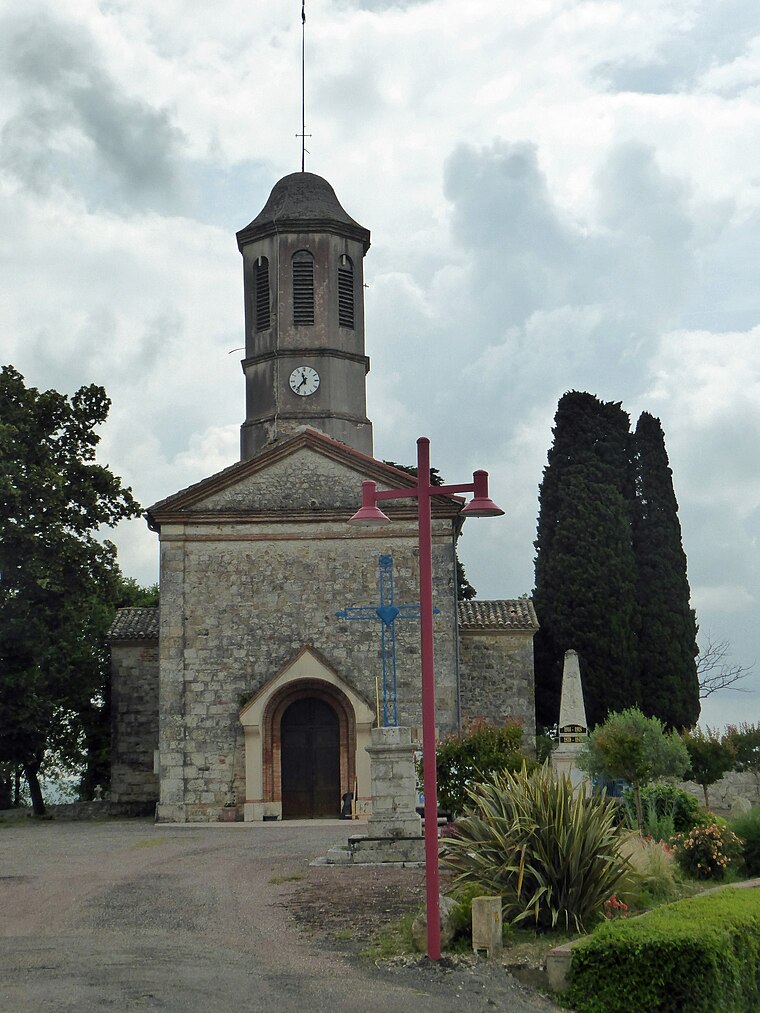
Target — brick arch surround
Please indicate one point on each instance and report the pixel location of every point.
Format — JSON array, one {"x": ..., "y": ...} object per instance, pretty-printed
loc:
[{"x": 272, "y": 724}]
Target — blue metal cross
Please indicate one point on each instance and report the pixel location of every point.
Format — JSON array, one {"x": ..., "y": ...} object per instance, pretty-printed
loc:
[{"x": 387, "y": 612}]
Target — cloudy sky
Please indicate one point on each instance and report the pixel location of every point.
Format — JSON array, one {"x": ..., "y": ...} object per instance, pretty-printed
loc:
[{"x": 562, "y": 195}]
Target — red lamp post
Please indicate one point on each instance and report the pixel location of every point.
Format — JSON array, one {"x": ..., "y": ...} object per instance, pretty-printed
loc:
[{"x": 370, "y": 513}]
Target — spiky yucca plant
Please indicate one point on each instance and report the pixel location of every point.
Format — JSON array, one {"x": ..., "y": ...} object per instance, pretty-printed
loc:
[{"x": 553, "y": 855}]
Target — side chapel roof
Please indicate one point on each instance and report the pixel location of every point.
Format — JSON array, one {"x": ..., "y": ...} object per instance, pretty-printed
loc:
[
  {"x": 513, "y": 614},
  {"x": 134, "y": 624},
  {"x": 506, "y": 614}
]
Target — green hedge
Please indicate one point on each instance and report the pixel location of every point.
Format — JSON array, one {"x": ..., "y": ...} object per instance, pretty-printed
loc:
[{"x": 700, "y": 955}]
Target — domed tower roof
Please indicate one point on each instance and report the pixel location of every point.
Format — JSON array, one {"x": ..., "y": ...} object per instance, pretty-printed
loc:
[{"x": 303, "y": 202}]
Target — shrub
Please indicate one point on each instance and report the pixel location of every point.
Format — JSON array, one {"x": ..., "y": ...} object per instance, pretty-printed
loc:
[
  {"x": 631, "y": 746},
  {"x": 552, "y": 855},
  {"x": 700, "y": 955},
  {"x": 706, "y": 852},
  {"x": 658, "y": 823},
  {"x": 748, "y": 828},
  {"x": 482, "y": 750},
  {"x": 660, "y": 801}
]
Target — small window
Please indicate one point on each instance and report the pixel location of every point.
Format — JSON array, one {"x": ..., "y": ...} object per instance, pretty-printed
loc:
[
  {"x": 345, "y": 292},
  {"x": 303, "y": 289},
  {"x": 261, "y": 294}
]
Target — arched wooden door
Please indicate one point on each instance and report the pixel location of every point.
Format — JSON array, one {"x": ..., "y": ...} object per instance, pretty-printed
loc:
[{"x": 310, "y": 757}]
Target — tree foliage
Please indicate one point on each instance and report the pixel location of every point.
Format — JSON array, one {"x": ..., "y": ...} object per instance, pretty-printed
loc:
[
  {"x": 610, "y": 569},
  {"x": 57, "y": 577},
  {"x": 585, "y": 568},
  {"x": 669, "y": 687},
  {"x": 710, "y": 757},
  {"x": 744, "y": 740},
  {"x": 476, "y": 754},
  {"x": 636, "y": 748}
]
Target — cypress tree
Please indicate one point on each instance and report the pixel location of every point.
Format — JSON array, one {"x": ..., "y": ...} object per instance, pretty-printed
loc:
[
  {"x": 585, "y": 594},
  {"x": 668, "y": 634}
]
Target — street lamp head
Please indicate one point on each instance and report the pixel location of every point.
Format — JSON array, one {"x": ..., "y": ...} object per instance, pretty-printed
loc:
[
  {"x": 481, "y": 505},
  {"x": 369, "y": 513}
]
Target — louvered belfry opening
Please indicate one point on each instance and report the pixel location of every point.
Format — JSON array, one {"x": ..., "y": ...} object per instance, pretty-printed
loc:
[
  {"x": 261, "y": 293},
  {"x": 303, "y": 289},
  {"x": 345, "y": 292}
]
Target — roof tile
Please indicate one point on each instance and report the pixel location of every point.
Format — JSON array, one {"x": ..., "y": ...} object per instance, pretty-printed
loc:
[{"x": 506, "y": 614}]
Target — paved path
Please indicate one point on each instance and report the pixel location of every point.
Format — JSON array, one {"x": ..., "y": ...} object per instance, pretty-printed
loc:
[{"x": 126, "y": 915}]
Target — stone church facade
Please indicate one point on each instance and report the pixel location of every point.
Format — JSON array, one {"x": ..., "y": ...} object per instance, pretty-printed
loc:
[{"x": 244, "y": 691}]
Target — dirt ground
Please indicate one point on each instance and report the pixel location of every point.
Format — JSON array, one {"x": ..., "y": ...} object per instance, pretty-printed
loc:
[{"x": 128, "y": 915}]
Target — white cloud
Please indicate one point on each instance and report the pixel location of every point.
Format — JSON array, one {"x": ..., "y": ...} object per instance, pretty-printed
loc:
[{"x": 562, "y": 194}]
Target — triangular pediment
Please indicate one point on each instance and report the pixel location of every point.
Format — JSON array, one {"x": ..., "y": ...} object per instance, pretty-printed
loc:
[
  {"x": 308, "y": 666},
  {"x": 308, "y": 475}
]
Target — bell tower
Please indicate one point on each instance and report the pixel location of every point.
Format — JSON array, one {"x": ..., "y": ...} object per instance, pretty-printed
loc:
[{"x": 303, "y": 280}]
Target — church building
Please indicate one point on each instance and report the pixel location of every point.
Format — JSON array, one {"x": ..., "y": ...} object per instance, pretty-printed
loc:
[{"x": 245, "y": 692}]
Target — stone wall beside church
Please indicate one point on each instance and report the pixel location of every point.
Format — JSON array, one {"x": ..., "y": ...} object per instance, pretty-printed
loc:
[
  {"x": 496, "y": 663},
  {"x": 134, "y": 712}
]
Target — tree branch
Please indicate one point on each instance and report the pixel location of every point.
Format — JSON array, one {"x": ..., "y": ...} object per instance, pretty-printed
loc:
[{"x": 715, "y": 673}]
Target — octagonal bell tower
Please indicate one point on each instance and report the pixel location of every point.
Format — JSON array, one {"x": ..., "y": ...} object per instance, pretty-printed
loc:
[{"x": 304, "y": 318}]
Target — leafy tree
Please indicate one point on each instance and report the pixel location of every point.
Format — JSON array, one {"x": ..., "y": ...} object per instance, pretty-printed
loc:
[
  {"x": 710, "y": 756},
  {"x": 94, "y": 712},
  {"x": 53, "y": 500},
  {"x": 636, "y": 748},
  {"x": 744, "y": 740},
  {"x": 669, "y": 687},
  {"x": 585, "y": 594},
  {"x": 610, "y": 569}
]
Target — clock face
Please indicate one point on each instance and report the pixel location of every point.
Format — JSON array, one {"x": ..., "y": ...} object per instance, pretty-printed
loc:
[{"x": 304, "y": 380}]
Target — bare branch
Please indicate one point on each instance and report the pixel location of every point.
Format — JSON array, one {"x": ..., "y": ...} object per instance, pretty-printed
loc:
[{"x": 715, "y": 672}]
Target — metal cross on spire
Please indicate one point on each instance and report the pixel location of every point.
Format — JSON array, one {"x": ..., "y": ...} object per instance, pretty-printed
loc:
[{"x": 387, "y": 612}]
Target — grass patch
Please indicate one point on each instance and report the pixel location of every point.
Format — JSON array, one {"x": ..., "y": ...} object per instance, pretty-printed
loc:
[
  {"x": 344, "y": 934},
  {"x": 394, "y": 940},
  {"x": 285, "y": 877}
]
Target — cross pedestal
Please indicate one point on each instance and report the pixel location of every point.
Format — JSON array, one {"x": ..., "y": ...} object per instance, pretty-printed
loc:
[{"x": 394, "y": 784}]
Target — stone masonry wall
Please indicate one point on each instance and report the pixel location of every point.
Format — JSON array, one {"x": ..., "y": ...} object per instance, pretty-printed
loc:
[
  {"x": 496, "y": 678},
  {"x": 724, "y": 794},
  {"x": 239, "y": 601},
  {"x": 134, "y": 727}
]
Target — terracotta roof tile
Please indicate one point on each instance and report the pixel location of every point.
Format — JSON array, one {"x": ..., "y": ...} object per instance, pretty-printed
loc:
[
  {"x": 134, "y": 624},
  {"x": 508, "y": 614}
]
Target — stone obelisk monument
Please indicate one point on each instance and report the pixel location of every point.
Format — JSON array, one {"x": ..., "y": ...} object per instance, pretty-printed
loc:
[{"x": 573, "y": 729}]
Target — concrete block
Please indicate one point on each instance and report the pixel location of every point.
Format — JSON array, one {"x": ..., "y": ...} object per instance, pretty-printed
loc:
[{"x": 487, "y": 925}]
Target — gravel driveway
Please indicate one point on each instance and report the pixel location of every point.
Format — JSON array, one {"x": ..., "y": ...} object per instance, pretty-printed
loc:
[{"x": 127, "y": 915}]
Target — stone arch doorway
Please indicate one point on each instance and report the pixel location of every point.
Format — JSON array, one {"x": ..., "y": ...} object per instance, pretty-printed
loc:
[
  {"x": 308, "y": 676},
  {"x": 310, "y": 760}
]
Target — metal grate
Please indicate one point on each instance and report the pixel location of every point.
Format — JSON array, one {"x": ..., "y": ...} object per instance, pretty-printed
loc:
[
  {"x": 303, "y": 289},
  {"x": 261, "y": 294},
  {"x": 345, "y": 292}
]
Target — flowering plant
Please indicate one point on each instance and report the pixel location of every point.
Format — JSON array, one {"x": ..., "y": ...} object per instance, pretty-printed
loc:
[
  {"x": 706, "y": 852},
  {"x": 614, "y": 908}
]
